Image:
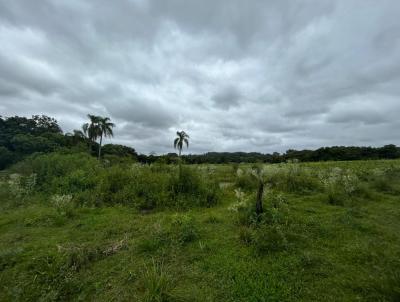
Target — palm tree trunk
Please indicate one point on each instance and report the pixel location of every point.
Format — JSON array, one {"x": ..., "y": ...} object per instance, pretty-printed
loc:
[
  {"x": 180, "y": 164},
  {"x": 89, "y": 145},
  {"x": 101, "y": 140},
  {"x": 260, "y": 192}
]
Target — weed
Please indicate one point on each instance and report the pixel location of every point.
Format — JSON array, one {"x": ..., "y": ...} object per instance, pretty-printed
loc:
[
  {"x": 156, "y": 283},
  {"x": 183, "y": 228}
]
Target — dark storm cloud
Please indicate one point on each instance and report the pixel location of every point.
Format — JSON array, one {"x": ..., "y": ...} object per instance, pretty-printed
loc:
[{"x": 236, "y": 75}]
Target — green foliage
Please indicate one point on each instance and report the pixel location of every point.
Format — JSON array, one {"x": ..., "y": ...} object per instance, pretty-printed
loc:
[
  {"x": 340, "y": 185},
  {"x": 335, "y": 153},
  {"x": 276, "y": 211},
  {"x": 16, "y": 189},
  {"x": 183, "y": 228},
  {"x": 212, "y": 219},
  {"x": 269, "y": 238},
  {"x": 138, "y": 185},
  {"x": 193, "y": 187},
  {"x": 384, "y": 179},
  {"x": 27, "y": 144},
  {"x": 52, "y": 168},
  {"x": 63, "y": 204},
  {"x": 299, "y": 249},
  {"x": 245, "y": 235},
  {"x": 245, "y": 181},
  {"x": 157, "y": 284},
  {"x": 7, "y": 157},
  {"x": 295, "y": 178},
  {"x": 119, "y": 151}
]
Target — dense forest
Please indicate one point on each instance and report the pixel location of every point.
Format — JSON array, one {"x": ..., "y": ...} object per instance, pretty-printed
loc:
[{"x": 22, "y": 136}]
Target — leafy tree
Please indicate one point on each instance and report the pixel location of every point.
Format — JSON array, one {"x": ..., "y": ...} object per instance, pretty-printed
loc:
[
  {"x": 119, "y": 150},
  {"x": 46, "y": 124},
  {"x": 6, "y": 157},
  {"x": 182, "y": 138},
  {"x": 27, "y": 144}
]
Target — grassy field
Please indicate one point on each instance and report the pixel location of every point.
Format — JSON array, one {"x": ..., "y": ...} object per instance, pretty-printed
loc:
[{"x": 330, "y": 233}]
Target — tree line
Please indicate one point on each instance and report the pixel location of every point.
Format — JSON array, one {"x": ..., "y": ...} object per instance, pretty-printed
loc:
[{"x": 22, "y": 136}]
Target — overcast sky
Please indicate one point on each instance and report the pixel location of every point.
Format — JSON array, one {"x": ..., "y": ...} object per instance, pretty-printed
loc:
[{"x": 236, "y": 75}]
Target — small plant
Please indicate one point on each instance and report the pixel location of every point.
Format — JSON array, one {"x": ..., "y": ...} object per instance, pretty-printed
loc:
[
  {"x": 240, "y": 203},
  {"x": 339, "y": 184},
  {"x": 293, "y": 177},
  {"x": 277, "y": 213},
  {"x": 20, "y": 187},
  {"x": 268, "y": 239},
  {"x": 183, "y": 228},
  {"x": 235, "y": 168},
  {"x": 245, "y": 235},
  {"x": 157, "y": 238},
  {"x": 245, "y": 181},
  {"x": 63, "y": 204},
  {"x": 212, "y": 219},
  {"x": 243, "y": 210},
  {"x": 156, "y": 282}
]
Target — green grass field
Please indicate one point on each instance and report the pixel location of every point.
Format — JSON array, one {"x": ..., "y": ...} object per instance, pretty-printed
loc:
[{"x": 325, "y": 249}]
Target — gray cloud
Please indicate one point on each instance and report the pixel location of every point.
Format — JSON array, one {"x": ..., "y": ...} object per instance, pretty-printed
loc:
[
  {"x": 236, "y": 75},
  {"x": 227, "y": 97}
]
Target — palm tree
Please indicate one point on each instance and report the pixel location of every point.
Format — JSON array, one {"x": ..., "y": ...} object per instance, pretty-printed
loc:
[
  {"x": 182, "y": 139},
  {"x": 105, "y": 129},
  {"x": 98, "y": 127},
  {"x": 91, "y": 130}
]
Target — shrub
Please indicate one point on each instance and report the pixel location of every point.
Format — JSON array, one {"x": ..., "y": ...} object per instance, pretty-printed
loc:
[
  {"x": 16, "y": 189},
  {"x": 245, "y": 181},
  {"x": 191, "y": 187},
  {"x": 212, "y": 219},
  {"x": 7, "y": 157},
  {"x": 183, "y": 228},
  {"x": 267, "y": 238},
  {"x": 150, "y": 186},
  {"x": 77, "y": 181},
  {"x": 63, "y": 204},
  {"x": 51, "y": 280},
  {"x": 277, "y": 211},
  {"x": 245, "y": 235},
  {"x": 157, "y": 238},
  {"x": 139, "y": 186},
  {"x": 51, "y": 169},
  {"x": 386, "y": 180},
  {"x": 339, "y": 185},
  {"x": 294, "y": 178},
  {"x": 142, "y": 186},
  {"x": 244, "y": 211},
  {"x": 112, "y": 186}
]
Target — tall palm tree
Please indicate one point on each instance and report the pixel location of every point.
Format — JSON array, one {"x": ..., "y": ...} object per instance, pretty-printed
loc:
[
  {"x": 182, "y": 138},
  {"x": 105, "y": 127},
  {"x": 91, "y": 130}
]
